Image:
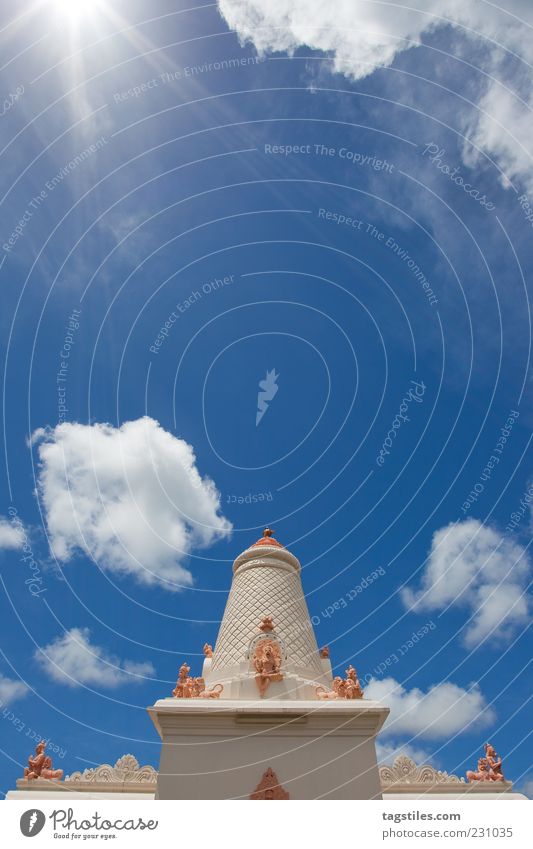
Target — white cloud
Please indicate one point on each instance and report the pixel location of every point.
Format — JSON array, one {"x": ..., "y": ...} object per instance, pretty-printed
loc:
[
  {"x": 444, "y": 710},
  {"x": 130, "y": 497},
  {"x": 470, "y": 565},
  {"x": 73, "y": 660},
  {"x": 11, "y": 536},
  {"x": 361, "y": 36},
  {"x": 10, "y": 690}
]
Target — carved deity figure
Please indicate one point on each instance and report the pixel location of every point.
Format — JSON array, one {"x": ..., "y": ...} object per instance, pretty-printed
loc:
[
  {"x": 267, "y": 664},
  {"x": 193, "y": 688},
  {"x": 489, "y": 768},
  {"x": 482, "y": 773},
  {"x": 40, "y": 765},
  {"x": 348, "y": 688},
  {"x": 495, "y": 763},
  {"x": 324, "y": 652},
  {"x": 352, "y": 685},
  {"x": 182, "y": 690},
  {"x": 267, "y": 624},
  {"x": 208, "y": 650}
]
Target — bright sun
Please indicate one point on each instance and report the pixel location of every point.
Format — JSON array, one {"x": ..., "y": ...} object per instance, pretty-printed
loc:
[{"x": 75, "y": 9}]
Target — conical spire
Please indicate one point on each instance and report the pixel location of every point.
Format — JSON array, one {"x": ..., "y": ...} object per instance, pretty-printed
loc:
[{"x": 266, "y": 602}]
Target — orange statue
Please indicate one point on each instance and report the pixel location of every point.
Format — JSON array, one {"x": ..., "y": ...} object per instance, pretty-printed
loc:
[
  {"x": 348, "y": 688},
  {"x": 494, "y": 762},
  {"x": 182, "y": 690},
  {"x": 482, "y": 773},
  {"x": 352, "y": 685},
  {"x": 489, "y": 768},
  {"x": 324, "y": 652},
  {"x": 208, "y": 650},
  {"x": 40, "y": 765},
  {"x": 266, "y": 625},
  {"x": 267, "y": 663},
  {"x": 269, "y": 787}
]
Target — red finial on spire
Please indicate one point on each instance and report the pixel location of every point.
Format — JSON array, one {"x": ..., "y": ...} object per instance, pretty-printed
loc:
[{"x": 268, "y": 539}]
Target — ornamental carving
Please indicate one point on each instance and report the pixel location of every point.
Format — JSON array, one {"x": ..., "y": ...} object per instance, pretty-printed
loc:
[
  {"x": 208, "y": 650},
  {"x": 40, "y": 765},
  {"x": 269, "y": 787},
  {"x": 489, "y": 768},
  {"x": 405, "y": 771},
  {"x": 267, "y": 664},
  {"x": 125, "y": 771}
]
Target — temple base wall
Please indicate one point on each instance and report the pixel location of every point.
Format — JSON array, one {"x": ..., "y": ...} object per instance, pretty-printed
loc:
[{"x": 221, "y": 750}]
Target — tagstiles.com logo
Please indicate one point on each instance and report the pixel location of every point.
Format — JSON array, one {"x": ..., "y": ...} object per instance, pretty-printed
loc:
[
  {"x": 32, "y": 822},
  {"x": 66, "y": 825},
  {"x": 267, "y": 390}
]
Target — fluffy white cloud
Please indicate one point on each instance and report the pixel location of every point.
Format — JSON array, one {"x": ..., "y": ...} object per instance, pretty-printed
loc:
[
  {"x": 73, "y": 660},
  {"x": 444, "y": 710},
  {"x": 361, "y": 36},
  {"x": 470, "y": 565},
  {"x": 11, "y": 536},
  {"x": 129, "y": 497},
  {"x": 10, "y": 690}
]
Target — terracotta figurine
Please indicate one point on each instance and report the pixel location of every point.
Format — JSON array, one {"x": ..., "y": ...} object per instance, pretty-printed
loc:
[
  {"x": 40, "y": 765},
  {"x": 489, "y": 768},
  {"x": 482, "y": 773},
  {"x": 182, "y": 690},
  {"x": 267, "y": 663},
  {"x": 494, "y": 762}
]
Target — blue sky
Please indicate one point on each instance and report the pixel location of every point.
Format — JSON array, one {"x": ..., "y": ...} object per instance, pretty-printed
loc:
[{"x": 183, "y": 214}]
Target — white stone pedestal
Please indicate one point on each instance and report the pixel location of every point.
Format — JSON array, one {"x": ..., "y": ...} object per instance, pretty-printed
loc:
[{"x": 220, "y": 750}]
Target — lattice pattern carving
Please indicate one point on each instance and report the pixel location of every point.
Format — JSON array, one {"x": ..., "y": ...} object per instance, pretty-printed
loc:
[{"x": 257, "y": 592}]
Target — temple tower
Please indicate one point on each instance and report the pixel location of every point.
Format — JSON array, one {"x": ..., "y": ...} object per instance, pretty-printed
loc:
[{"x": 266, "y": 719}]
